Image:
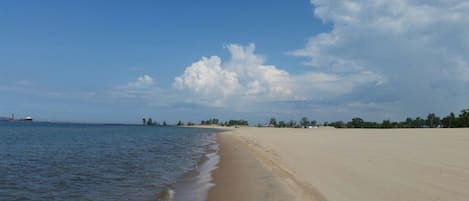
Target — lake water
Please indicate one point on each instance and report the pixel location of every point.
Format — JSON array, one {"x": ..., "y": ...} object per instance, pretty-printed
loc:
[{"x": 45, "y": 161}]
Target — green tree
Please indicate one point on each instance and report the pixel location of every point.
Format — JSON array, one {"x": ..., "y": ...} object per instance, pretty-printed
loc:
[
  {"x": 449, "y": 121},
  {"x": 386, "y": 124},
  {"x": 313, "y": 122},
  {"x": 144, "y": 121},
  {"x": 418, "y": 123},
  {"x": 291, "y": 124},
  {"x": 150, "y": 122},
  {"x": 282, "y": 124},
  {"x": 240, "y": 122},
  {"x": 304, "y": 122},
  {"x": 273, "y": 121},
  {"x": 357, "y": 122},
  {"x": 338, "y": 124},
  {"x": 432, "y": 120},
  {"x": 452, "y": 120},
  {"x": 463, "y": 118},
  {"x": 408, "y": 123},
  {"x": 164, "y": 123}
]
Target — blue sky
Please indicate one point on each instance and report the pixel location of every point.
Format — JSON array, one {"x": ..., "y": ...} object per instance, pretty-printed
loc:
[{"x": 119, "y": 61}]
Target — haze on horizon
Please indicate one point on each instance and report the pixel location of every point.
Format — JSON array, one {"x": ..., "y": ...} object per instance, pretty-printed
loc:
[{"x": 332, "y": 60}]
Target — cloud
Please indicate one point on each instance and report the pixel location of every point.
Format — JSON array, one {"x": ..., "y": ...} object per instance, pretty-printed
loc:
[
  {"x": 208, "y": 78},
  {"x": 143, "y": 87},
  {"x": 418, "y": 48},
  {"x": 398, "y": 57},
  {"x": 245, "y": 80},
  {"x": 243, "y": 77},
  {"x": 142, "y": 82}
]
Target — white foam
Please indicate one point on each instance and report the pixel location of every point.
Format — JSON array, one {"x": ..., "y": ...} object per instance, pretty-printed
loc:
[{"x": 197, "y": 187}]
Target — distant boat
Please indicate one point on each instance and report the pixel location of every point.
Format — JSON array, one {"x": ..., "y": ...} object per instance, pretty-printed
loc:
[{"x": 12, "y": 118}]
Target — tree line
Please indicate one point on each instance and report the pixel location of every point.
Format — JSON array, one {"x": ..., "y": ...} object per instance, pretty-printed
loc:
[
  {"x": 212, "y": 121},
  {"x": 232, "y": 122},
  {"x": 150, "y": 122},
  {"x": 431, "y": 121},
  {"x": 304, "y": 122}
]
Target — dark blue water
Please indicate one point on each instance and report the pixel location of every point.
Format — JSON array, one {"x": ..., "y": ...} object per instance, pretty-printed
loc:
[{"x": 43, "y": 161}]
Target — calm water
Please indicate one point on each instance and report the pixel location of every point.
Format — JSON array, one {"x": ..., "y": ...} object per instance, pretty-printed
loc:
[{"x": 41, "y": 161}]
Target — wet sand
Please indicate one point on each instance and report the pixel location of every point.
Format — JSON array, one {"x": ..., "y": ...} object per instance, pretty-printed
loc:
[
  {"x": 343, "y": 165},
  {"x": 244, "y": 174}
]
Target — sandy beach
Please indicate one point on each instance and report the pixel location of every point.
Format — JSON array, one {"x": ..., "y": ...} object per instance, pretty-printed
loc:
[{"x": 342, "y": 165}]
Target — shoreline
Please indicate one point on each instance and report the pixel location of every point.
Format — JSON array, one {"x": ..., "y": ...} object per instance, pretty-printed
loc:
[
  {"x": 244, "y": 174},
  {"x": 195, "y": 184}
]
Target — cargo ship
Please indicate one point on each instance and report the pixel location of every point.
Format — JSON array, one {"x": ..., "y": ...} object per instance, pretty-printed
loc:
[{"x": 12, "y": 118}]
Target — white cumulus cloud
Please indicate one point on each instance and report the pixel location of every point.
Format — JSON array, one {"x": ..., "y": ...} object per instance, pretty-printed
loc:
[
  {"x": 207, "y": 76},
  {"x": 245, "y": 79}
]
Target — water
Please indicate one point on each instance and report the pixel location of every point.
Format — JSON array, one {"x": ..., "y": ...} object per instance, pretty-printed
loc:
[{"x": 41, "y": 161}]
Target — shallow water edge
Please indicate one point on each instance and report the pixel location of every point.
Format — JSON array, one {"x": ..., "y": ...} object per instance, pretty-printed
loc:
[{"x": 195, "y": 184}]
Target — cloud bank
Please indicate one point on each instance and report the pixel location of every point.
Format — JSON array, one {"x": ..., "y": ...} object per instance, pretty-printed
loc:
[{"x": 420, "y": 49}]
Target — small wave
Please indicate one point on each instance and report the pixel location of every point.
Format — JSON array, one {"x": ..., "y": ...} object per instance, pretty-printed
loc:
[
  {"x": 166, "y": 195},
  {"x": 194, "y": 186}
]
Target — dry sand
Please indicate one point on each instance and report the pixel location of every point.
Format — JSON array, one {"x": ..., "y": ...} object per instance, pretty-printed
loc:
[{"x": 343, "y": 165}]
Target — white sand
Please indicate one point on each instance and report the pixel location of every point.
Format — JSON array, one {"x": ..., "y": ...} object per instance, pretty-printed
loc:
[{"x": 369, "y": 165}]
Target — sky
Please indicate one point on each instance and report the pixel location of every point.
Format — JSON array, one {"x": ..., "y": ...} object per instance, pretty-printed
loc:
[{"x": 121, "y": 61}]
